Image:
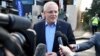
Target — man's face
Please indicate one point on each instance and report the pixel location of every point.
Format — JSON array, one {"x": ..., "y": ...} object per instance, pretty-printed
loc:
[{"x": 51, "y": 13}]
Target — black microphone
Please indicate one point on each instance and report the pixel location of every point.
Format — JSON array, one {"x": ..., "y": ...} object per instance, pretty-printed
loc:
[
  {"x": 61, "y": 37},
  {"x": 14, "y": 22},
  {"x": 40, "y": 50}
]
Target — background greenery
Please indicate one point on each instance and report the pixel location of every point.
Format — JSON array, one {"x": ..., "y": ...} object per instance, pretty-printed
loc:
[{"x": 95, "y": 8}]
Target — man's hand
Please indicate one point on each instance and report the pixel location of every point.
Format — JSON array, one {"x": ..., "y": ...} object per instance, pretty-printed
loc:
[
  {"x": 73, "y": 47},
  {"x": 66, "y": 51},
  {"x": 51, "y": 54}
]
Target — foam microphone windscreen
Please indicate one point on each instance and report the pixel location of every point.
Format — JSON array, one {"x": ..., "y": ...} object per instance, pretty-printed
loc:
[
  {"x": 18, "y": 22},
  {"x": 8, "y": 42},
  {"x": 61, "y": 37},
  {"x": 58, "y": 34},
  {"x": 40, "y": 50},
  {"x": 30, "y": 43},
  {"x": 12, "y": 21}
]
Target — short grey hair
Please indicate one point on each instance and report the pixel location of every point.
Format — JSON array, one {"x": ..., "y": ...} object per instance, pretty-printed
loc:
[{"x": 48, "y": 4}]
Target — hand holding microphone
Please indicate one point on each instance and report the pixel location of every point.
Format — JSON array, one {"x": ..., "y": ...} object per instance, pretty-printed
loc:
[
  {"x": 66, "y": 51},
  {"x": 63, "y": 50}
]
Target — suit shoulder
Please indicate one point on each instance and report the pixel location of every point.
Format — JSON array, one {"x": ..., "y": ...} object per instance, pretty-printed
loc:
[
  {"x": 39, "y": 23},
  {"x": 63, "y": 22}
]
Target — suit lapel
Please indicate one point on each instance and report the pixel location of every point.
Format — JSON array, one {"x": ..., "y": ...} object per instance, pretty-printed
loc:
[
  {"x": 58, "y": 26},
  {"x": 43, "y": 29}
]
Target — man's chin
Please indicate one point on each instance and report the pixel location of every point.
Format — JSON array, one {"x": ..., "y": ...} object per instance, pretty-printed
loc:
[{"x": 52, "y": 21}]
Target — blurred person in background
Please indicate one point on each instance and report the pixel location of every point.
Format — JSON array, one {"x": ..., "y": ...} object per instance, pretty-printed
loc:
[{"x": 95, "y": 22}]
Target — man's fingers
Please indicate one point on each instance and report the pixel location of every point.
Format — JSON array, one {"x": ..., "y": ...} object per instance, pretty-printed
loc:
[{"x": 61, "y": 46}]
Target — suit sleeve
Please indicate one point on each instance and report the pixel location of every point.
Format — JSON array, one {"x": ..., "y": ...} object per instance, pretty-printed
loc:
[
  {"x": 70, "y": 35},
  {"x": 86, "y": 45}
]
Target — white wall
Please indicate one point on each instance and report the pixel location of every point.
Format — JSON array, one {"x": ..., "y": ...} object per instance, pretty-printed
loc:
[
  {"x": 72, "y": 16},
  {"x": 36, "y": 9}
]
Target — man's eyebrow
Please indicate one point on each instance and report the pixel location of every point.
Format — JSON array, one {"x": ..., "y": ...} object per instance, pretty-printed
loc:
[{"x": 52, "y": 11}]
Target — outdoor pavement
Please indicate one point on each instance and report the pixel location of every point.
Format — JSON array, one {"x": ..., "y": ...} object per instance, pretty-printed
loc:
[{"x": 82, "y": 36}]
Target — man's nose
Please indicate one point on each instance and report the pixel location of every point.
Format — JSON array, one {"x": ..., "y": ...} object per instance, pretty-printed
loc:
[{"x": 53, "y": 13}]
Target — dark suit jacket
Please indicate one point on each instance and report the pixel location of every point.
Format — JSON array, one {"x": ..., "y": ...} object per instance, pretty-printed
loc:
[
  {"x": 62, "y": 26},
  {"x": 94, "y": 41}
]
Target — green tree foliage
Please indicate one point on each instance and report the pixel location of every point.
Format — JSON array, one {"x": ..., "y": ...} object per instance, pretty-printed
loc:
[
  {"x": 95, "y": 8},
  {"x": 86, "y": 21}
]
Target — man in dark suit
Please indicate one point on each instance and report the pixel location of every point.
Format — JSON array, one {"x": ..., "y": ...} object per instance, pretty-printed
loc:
[
  {"x": 94, "y": 41},
  {"x": 47, "y": 28}
]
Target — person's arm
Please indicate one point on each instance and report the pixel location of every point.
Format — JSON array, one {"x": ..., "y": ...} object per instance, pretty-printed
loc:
[
  {"x": 92, "y": 18},
  {"x": 85, "y": 45}
]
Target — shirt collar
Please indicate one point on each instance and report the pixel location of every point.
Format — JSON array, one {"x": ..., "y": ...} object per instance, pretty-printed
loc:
[{"x": 54, "y": 23}]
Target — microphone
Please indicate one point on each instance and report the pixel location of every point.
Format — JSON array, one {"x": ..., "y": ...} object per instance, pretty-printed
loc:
[
  {"x": 61, "y": 37},
  {"x": 60, "y": 41},
  {"x": 14, "y": 22},
  {"x": 8, "y": 42},
  {"x": 40, "y": 50}
]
